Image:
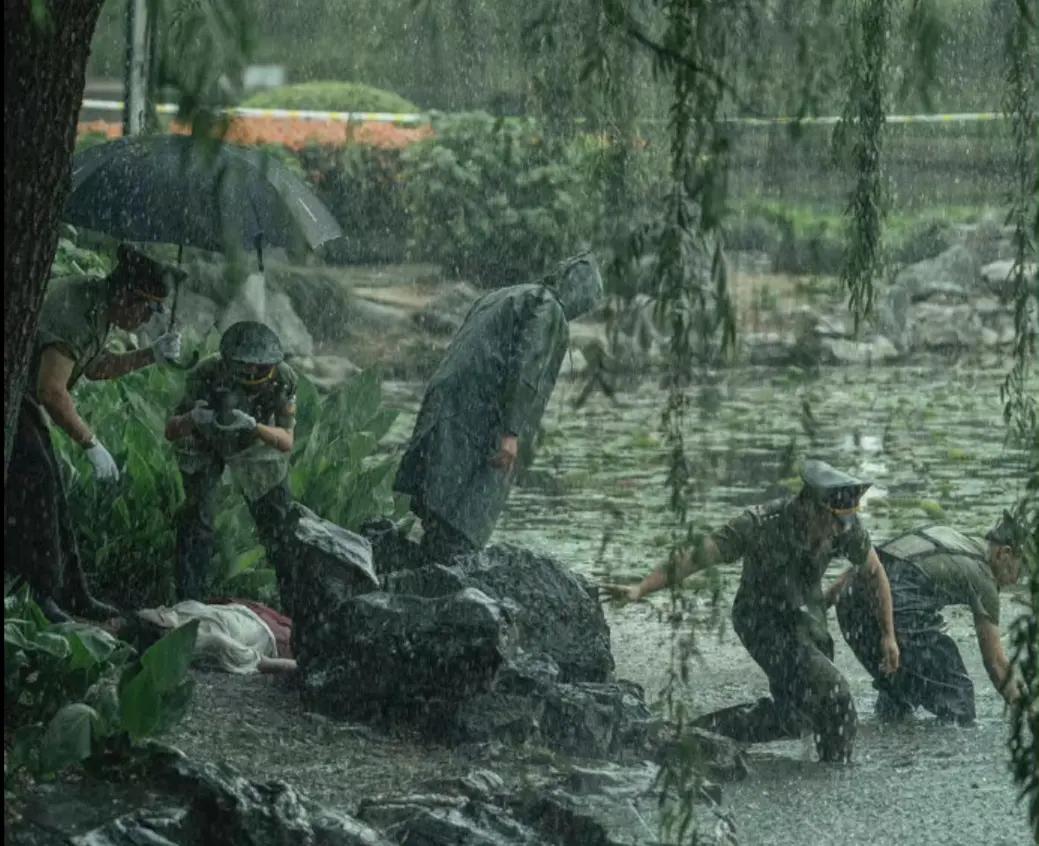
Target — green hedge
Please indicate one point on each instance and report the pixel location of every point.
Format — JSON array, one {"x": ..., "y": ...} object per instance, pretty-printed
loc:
[
  {"x": 330, "y": 97},
  {"x": 493, "y": 200}
]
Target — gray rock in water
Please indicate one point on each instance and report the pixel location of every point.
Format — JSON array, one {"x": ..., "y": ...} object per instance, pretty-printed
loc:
[
  {"x": 952, "y": 274},
  {"x": 997, "y": 276},
  {"x": 398, "y": 657},
  {"x": 878, "y": 350},
  {"x": 444, "y": 314},
  {"x": 557, "y": 612},
  {"x": 940, "y": 327},
  {"x": 721, "y": 757}
]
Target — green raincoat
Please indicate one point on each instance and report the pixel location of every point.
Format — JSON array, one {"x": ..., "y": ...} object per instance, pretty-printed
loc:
[{"x": 495, "y": 379}]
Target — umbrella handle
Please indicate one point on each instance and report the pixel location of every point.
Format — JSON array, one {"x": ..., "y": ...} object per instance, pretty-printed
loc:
[{"x": 193, "y": 360}]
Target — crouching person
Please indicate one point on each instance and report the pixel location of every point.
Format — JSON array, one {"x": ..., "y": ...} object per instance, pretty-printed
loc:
[{"x": 238, "y": 411}]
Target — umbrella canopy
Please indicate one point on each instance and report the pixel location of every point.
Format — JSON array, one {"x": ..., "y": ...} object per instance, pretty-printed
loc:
[{"x": 177, "y": 190}]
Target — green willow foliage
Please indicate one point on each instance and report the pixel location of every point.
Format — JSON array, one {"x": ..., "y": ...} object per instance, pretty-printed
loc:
[
  {"x": 1024, "y": 639},
  {"x": 859, "y": 138},
  {"x": 694, "y": 51},
  {"x": 1022, "y": 82},
  {"x": 1022, "y": 79},
  {"x": 696, "y": 45}
]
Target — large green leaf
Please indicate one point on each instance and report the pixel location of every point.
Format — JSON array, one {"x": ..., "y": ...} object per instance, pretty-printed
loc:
[
  {"x": 67, "y": 739},
  {"x": 168, "y": 659},
  {"x": 88, "y": 644},
  {"x": 140, "y": 703}
]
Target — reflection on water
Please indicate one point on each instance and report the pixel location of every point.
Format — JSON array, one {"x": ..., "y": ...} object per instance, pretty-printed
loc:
[{"x": 932, "y": 440}]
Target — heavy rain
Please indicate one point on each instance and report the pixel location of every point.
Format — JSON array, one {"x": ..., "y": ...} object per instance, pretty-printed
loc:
[{"x": 586, "y": 423}]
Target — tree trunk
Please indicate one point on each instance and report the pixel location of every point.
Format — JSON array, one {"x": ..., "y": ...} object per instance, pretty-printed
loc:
[{"x": 46, "y": 45}]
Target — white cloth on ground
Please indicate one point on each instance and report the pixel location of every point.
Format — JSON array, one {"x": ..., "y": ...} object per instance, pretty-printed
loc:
[{"x": 231, "y": 637}]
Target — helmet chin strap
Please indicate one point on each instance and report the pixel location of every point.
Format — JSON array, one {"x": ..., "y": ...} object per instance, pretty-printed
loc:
[{"x": 260, "y": 380}]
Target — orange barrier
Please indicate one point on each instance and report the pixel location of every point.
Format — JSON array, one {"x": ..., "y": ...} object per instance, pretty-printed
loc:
[{"x": 292, "y": 133}]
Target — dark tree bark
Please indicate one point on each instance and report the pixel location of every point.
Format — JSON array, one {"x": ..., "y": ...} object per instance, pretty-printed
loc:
[{"x": 46, "y": 45}]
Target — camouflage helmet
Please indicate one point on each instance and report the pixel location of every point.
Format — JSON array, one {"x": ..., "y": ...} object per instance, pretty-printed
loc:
[{"x": 251, "y": 343}]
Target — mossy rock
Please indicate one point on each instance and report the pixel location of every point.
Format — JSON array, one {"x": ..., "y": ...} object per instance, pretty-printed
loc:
[{"x": 330, "y": 97}]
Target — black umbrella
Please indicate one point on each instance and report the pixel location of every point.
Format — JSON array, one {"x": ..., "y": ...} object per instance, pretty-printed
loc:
[{"x": 179, "y": 190}]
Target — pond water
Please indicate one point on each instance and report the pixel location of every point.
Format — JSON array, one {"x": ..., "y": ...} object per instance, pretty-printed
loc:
[{"x": 931, "y": 438}]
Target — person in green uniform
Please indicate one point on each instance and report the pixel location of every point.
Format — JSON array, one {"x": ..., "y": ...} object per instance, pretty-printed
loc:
[
  {"x": 72, "y": 342},
  {"x": 485, "y": 401},
  {"x": 239, "y": 412},
  {"x": 930, "y": 568},
  {"x": 779, "y": 612}
]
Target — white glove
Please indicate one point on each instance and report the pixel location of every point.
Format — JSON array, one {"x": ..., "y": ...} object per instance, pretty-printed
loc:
[
  {"x": 202, "y": 417},
  {"x": 105, "y": 468},
  {"x": 167, "y": 348},
  {"x": 240, "y": 422}
]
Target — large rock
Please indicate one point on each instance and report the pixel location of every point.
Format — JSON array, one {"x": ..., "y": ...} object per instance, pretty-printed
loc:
[
  {"x": 719, "y": 757},
  {"x": 557, "y": 613},
  {"x": 446, "y": 820},
  {"x": 951, "y": 275},
  {"x": 183, "y": 803},
  {"x": 403, "y": 658},
  {"x": 997, "y": 276},
  {"x": 941, "y": 327},
  {"x": 605, "y": 805},
  {"x": 329, "y": 372},
  {"x": 366, "y": 316},
  {"x": 446, "y": 312},
  {"x": 528, "y": 706},
  {"x": 877, "y": 350},
  {"x": 330, "y": 565}
]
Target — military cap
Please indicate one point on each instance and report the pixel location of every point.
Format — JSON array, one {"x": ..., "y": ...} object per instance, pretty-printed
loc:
[
  {"x": 142, "y": 275},
  {"x": 836, "y": 490},
  {"x": 1008, "y": 531}
]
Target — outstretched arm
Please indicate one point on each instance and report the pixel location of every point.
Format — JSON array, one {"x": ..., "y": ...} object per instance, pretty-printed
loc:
[
  {"x": 996, "y": 662},
  {"x": 679, "y": 566},
  {"x": 885, "y": 613}
]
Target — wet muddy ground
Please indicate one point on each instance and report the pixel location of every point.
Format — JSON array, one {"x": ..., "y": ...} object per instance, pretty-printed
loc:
[
  {"x": 914, "y": 783},
  {"x": 930, "y": 436}
]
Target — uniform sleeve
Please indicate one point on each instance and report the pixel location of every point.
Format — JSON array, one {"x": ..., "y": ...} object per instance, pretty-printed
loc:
[
  {"x": 535, "y": 337},
  {"x": 855, "y": 545},
  {"x": 285, "y": 413},
  {"x": 62, "y": 329},
  {"x": 193, "y": 391},
  {"x": 734, "y": 538},
  {"x": 982, "y": 594}
]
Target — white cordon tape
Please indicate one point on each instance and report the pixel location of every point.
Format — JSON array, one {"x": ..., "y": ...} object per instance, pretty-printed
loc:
[
  {"x": 325, "y": 117},
  {"x": 414, "y": 119}
]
